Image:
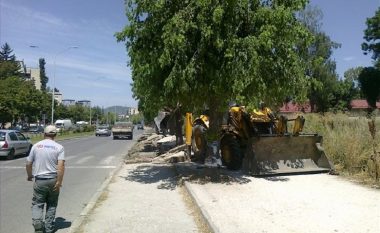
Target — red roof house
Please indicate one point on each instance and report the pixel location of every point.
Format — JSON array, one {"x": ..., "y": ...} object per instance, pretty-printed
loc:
[
  {"x": 292, "y": 107},
  {"x": 361, "y": 105}
]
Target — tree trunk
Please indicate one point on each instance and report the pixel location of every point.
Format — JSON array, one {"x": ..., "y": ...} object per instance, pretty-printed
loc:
[
  {"x": 179, "y": 125},
  {"x": 216, "y": 118}
]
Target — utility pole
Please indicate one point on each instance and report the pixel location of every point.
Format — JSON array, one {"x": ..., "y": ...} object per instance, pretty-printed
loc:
[
  {"x": 115, "y": 113},
  {"x": 90, "y": 113}
]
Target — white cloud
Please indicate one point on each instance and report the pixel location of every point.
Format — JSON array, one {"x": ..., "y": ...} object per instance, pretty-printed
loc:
[{"x": 20, "y": 14}]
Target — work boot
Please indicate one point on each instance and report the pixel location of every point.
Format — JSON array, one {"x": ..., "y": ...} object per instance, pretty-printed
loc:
[{"x": 38, "y": 227}]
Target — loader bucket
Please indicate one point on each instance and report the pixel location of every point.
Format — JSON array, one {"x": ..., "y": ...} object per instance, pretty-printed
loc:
[{"x": 287, "y": 154}]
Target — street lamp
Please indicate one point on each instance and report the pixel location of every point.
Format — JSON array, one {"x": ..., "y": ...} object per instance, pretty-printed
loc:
[{"x": 53, "y": 92}]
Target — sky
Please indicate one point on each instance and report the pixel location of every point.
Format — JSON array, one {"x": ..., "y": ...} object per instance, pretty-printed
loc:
[{"x": 97, "y": 69}]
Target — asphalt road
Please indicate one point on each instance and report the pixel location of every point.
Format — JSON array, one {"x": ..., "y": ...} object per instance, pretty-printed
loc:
[{"x": 89, "y": 161}]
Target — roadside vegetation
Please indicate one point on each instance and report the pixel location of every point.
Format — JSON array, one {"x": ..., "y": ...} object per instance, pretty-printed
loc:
[
  {"x": 349, "y": 144},
  {"x": 80, "y": 132}
]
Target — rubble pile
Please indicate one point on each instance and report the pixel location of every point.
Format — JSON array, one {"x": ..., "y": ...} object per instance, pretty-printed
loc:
[
  {"x": 144, "y": 150},
  {"x": 156, "y": 148}
]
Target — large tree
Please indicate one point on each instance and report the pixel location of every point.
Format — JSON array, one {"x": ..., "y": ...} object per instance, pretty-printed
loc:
[
  {"x": 347, "y": 89},
  {"x": 204, "y": 53},
  {"x": 19, "y": 100},
  {"x": 372, "y": 38},
  {"x": 369, "y": 78},
  {"x": 320, "y": 67}
]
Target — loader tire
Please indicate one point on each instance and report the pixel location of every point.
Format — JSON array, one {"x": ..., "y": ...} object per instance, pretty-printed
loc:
[
  {"x": 199, "y": 143},
  {"x": 231, "y": 152}
]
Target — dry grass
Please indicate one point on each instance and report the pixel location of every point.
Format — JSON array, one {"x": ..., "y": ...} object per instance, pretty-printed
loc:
[{"x": 349, "y": 144}]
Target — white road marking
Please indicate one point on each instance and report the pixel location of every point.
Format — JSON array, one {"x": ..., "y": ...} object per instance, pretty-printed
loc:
[
  {"x": 69, "y": 157},
  {"x": 84, "y": 159}
]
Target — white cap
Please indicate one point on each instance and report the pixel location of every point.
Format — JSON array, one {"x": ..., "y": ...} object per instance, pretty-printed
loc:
[{"x": 50, "y": 129}]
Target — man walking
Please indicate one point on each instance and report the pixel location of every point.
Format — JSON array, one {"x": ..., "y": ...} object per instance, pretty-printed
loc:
[{"x": 46, "y": 164}]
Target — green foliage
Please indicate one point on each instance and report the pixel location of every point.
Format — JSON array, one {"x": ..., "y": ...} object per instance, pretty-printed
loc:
[
  {"x": 369, "y": 81},
  {"x": 369, "y": 78},
  {"x": 6, "y": 53},
  {"x": 8, "y": 65},
  {"x": 44, "y": 78},
  {"x": 351, "y": 82},
  {"x": 74, "y": 112},
  {"x": 205, "y": 53},
  {"x": 347, "y": 89},
  {"x": 320, "y": 68},
  {"x": 19, "y": 99},
  {"x": 372, "y": 38},
  {"x": 136, "y": 119}
]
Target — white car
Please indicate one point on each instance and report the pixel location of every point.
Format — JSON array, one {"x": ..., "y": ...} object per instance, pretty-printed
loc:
[
  {"x": 13, "y": 143},
  {"x": 103, "y": 130}
]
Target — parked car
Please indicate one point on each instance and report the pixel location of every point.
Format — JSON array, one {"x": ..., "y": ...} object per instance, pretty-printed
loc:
[
  {"x": 36, "y": 129},
  {"x": 140, "y": 126},
  {"x": 102, "y": 130},
  {"x": 13, "y": 143},
  {"x": 19, "y": 128}
]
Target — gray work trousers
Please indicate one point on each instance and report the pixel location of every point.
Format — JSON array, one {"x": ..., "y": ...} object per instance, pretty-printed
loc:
[{"x": 43, "y": 194}]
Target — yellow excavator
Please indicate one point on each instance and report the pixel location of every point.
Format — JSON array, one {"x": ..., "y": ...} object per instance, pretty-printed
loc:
[{"x": 259, "y": 143}]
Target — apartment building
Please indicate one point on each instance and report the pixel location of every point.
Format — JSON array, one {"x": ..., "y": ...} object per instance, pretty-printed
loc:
[
  {"x": 85, "y": 103},
  {"x": 30, "y": 73},
  {"x": 34, "y": 75}
]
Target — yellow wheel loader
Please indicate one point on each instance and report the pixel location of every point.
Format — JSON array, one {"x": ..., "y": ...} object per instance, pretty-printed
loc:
[{"x": 259, "y": 143}]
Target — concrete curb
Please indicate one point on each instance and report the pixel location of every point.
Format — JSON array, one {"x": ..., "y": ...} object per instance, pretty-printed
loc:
[
  {"x": 204, "y": 212},
  {"x": 91, "y": 204}
]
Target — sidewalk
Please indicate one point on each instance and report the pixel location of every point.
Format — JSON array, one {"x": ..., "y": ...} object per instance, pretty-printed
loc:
[
  {"x": 235, "y": 203},
  {"x": 146, "y": 197},
  {"x": 140, "y": 198}
]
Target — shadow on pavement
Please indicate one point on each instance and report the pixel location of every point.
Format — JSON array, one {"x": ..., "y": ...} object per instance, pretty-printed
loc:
[
  {"x": 161, "y": 174},
  {"x": 61, "y": 223},
  {"x": 196, "y": 173}
]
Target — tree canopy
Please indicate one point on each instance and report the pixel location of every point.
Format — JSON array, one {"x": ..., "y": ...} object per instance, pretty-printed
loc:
[
  {"x": 8, "y": 65},
  {"x": 320, "y": 68},
  {"x": 19, "y": 100},
  {"x": 372, "y": 38},
  {"x": 206, "y": 53},
  {"x": 369, "y": 78}
]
